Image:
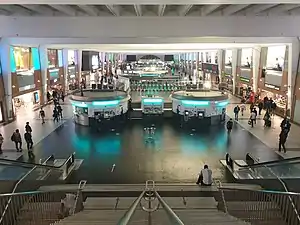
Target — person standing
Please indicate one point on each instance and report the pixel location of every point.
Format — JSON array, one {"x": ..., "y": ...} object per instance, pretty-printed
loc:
[
  {"x": 1, "y": 142},
  {"x": 282, "y": 140},
  {"x": 42, "y": 115},
  {"x": 236, "y": 111},
  {"x": 29, "y": 142},
  {"x": 252, "y": 118},
  {"x": 205, "y": 177},
  {"x": 16, "y": 137},
  {"x": 260, "y": 107}
]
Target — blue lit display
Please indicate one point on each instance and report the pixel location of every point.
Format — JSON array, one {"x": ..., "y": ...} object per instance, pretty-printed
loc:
[
  {"x": 152, "y": 101},
  {"x": 35, "y": 56},
  {"x": 195, "y": 103},
  {"x": 13, "y": 67},
  {"x": 106, "y": 103},
  {"x": 60, "y": 58},
  {"x": 222, "y": 103},
  {"x": 79, "y": 104}
]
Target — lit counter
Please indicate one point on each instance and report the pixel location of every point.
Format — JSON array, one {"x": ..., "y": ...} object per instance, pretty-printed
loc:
[
  {"x": 200, "y": 104},
  {"x": 96, "y": 106},
  {"x": 152, "y": 106}
]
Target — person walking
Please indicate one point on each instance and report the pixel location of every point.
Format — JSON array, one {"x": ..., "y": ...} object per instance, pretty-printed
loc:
[
  {"x": 229, "y": 125},
  {"x": 42, "y": 115},
  {"x": 243, "y": 108},
  {"x": 29, "y": 142},
  {"x": 236, "y": 111},
  {"x": 55, "y": 115},
  {"x": 260, "y": 107},
  {"x": 28, "y": 127},
  {"x": 16, "y": 137},
  {"x": 282, "y": 140},
  {"x": 1, "y": 142}
]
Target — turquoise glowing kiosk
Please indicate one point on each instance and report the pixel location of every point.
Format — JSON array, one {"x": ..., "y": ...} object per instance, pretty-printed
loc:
[
  {"x": 209, "y": 106},
  {"x": 96, "y": 105},
  {"x": 152, "y": 106}
]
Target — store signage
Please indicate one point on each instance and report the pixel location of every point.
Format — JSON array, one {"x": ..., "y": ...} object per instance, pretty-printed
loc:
[
  {"x": 210, "y": 68},
  {"x": 243, "y": 79},
  {"x": 228, "y": 70},
  {"x": 272, "y": 86}
]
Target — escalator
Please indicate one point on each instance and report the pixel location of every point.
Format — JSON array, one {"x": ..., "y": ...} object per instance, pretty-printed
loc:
[
  {"x": 283, "y": 169},
  {"x": 16, "y": 170}
]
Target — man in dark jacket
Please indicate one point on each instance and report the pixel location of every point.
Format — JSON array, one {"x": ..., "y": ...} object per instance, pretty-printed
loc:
[
  {"x": 282, "y": 140},
  {"x": 28, "y": 139}
]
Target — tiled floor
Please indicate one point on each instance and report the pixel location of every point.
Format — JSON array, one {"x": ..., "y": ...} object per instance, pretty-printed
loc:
[
  {"x": 269, "y": 136},
  {"x": 39, "y": 131}
]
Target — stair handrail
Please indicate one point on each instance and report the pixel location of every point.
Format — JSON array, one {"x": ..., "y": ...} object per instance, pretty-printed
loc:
[
  {"x": 219, "y": 185},
  {"x": 81, "y": 186},
  {"x": 130, "y": 212},
  {"x": 16, "y": 186},
  {"x": 171, "y": 214},
  {"x": 283, "y": 184}
]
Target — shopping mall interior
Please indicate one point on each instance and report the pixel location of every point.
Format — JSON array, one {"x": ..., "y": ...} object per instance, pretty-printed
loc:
[{"x": 132, "y": 112}]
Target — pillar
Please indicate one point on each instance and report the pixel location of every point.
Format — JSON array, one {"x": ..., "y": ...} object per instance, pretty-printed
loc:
[
  {"x": 256, "y": 53},
  {"x": 44, "y": 72},
  {"x": 221, "y": 62},
  {"x": 293, "y": 76},
  {"x": 78, "y": 61},
  {"x": 65, "y": 53},
  {"x": 235, "y": 76},
  {"x": 5, "y": 55}
]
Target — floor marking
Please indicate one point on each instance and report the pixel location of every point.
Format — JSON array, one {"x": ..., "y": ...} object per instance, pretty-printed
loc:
[{"x": 113, "y": 168}]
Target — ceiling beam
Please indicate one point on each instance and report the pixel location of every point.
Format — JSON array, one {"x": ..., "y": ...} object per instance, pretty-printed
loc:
[
  {"x": 4, "y": 12},
  {"x": 161, "y": 10},
  {"x": 68, "y": 10},
  {"x": 233, "y": 9},
  {"x": 258, "y": 8},
  {"x": 206, "y": 10},
  {"x": 39, "y": 9},
  {"x": 90, "y": 10},
  {"x": 185, "y": 9},
  {"x": 115, "y": 10},
  {"x": 15, "y": 10},
  {"x": 282, "y": 8},
  {"x": 138, "y": 10}
]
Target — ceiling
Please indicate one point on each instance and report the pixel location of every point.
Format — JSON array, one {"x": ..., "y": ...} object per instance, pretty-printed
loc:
[{"x": 151, "y": 10}]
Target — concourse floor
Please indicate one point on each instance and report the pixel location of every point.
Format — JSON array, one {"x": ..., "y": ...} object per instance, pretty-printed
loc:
[{"x": 128, "y": 155}]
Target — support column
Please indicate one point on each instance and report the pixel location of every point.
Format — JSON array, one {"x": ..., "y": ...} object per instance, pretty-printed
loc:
[
  {"x": 78, "y": 61},
  {"x": 235, "y": 76},
  {"x": 221, "y": 63},
  {"x": 65, "y": 53},
  {"x": 293, "y": 76},
  {"x": 5, "y": 54},
  {"x": 44, "y": 72},
  {"x": 256, "y": 52}
]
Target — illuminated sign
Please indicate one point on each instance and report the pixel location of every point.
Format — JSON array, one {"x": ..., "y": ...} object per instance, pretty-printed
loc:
[
  {"x": 243, "y": 79},
  {"x": 195, "y": 103},
  {"x": 272, "y": 86}
]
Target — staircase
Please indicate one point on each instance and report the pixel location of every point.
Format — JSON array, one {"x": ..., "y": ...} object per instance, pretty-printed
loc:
[{"x": 191, "y": 211}]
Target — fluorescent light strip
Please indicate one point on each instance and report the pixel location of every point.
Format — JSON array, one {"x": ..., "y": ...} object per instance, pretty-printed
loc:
[
  {"x": 152, "y": 100},
  {"x": 196, "y": 103},
  {"x": 79, "y": 104},
  {"x": 105, "y": 103}
]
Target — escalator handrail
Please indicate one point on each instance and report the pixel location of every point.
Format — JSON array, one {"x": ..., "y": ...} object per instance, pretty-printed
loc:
[
  {"x": 27, "y": 164},
  {"x": 261, "y": 164},
  {"x": 262, "y": 191}
]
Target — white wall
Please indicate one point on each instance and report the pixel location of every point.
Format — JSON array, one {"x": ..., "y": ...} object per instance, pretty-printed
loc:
[{"x": 128, "y": 27}]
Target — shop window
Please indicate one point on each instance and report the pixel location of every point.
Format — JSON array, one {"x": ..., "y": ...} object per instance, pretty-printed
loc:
[{"x": 52, "y": 58}]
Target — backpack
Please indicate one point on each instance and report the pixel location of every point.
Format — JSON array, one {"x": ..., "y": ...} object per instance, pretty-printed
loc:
[{"x": 12, "y": 138}]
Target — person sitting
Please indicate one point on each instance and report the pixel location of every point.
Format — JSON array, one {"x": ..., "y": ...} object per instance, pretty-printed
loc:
[
  {"x": 205, "y": 176},
  {"x": 67, "y": 204}
]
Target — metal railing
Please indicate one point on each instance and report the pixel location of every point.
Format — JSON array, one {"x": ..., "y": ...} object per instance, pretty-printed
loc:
[
  {"x": 39, "y": 207},
  {"x": 260, "y": 206},
  {"x": 291, "y": 203},
  {"x": 43, "y": 171},
  {"x": 150, "y": 195}
]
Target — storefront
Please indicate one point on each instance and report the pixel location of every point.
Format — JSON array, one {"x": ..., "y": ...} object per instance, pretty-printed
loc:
[
  {"x": 245, "y": 89},
  {"x": 26, "y": 78},
  {"x": 2, "y": 96},
  {"x": 211, "y": 73},
  {"x": 227, "y": 77},
  {"x": 26, "y": 103}
]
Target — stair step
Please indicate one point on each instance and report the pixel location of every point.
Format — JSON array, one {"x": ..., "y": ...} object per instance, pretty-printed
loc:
[{"x": 251, "y": 205}]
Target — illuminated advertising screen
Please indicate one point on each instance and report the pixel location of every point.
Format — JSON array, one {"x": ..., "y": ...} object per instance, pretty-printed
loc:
[
  {"x": 228, "y": 57},
  {"x": 52, "y": 58},
  {"x": 71, "y": 57},
  {"x": 246, "y": 59},
  {"x": 275, "y": 57}
]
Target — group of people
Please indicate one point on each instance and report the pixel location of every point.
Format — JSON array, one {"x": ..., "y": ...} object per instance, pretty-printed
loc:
[
  {"x": 17, "y": 139},
  {"x": 269, "y": 105}
]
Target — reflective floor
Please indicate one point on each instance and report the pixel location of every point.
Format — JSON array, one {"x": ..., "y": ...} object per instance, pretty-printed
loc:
[{"x": 130, "y": 155}]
